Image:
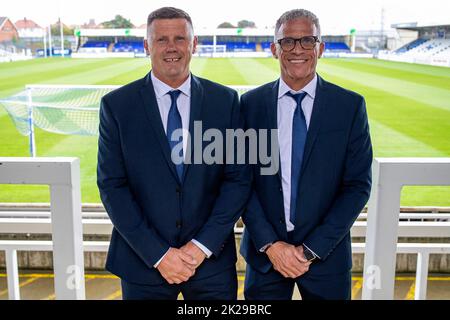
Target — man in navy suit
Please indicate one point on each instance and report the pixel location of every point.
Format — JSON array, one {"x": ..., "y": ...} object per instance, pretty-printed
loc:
[
  {"x": 298, "y": 221},
  {"x": 173, "y": 220}
]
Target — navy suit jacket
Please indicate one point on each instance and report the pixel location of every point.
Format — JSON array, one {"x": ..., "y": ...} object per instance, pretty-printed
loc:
[
  {"x": 334, "y": 185},
  {"x": 151, "y": 210}
]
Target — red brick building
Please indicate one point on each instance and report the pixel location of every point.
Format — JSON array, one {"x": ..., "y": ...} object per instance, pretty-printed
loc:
[{"x": 8, "y": 30}]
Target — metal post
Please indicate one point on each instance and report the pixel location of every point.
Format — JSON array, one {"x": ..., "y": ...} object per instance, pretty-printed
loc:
[
  {"x": 353, "y": 39},
  {"x": 32, "y": 142},
  {"x": 12, "y": 271},
  {"x": 45, "y": 43},
  {"x": 421, "y": 276},
  {"x": 50, "y": 39},
  {"x": 67, "y": 236},
  {"x": 62, "y": 37},
  {"x": 381, "y": 237}
]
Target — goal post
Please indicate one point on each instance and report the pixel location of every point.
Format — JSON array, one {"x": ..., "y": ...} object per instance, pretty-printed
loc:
[{"x": 62, "y": 109}]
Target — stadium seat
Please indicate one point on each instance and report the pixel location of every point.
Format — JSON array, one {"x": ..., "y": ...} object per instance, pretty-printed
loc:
[
  {"x": 336, "y": 47},
  {"x": 96, "y": 44},
  {"x": 129, "y": 46},
  {"x": 422, "y": 48}
]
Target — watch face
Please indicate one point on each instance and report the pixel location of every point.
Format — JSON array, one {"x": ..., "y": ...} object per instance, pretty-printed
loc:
[{"x": 308, "y": 254}]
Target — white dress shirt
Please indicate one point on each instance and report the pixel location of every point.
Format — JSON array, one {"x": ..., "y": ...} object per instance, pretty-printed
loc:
[
  {"x": 285, "y": 114},
  {"x": 184, "y": 107},
  {"x": 183, "y": 103}
]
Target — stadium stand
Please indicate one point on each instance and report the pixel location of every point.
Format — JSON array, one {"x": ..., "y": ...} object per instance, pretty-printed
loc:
[
  {"x": 247, "y": 42},
  {"x": 240, "y": 46},
  {"x": 336, "y": 47},
  {"x": 96, "y": 44},
  {"x": 422, "y": 50},
  {"x": 426, "y": 44},
  {"x": 129, "y": 46},
  {"x": 235, "y": 46},
  {"x": 94, "y": 47},
  {"x": 265, "y": 45},
  {"x": 431, "y": 48},
  {"x": 410, "y": 45}
]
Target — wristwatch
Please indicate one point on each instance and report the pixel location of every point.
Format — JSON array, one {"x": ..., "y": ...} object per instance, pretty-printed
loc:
[
  {"x": 263, "y": 249},
  {"x": 308, "y": 254}
]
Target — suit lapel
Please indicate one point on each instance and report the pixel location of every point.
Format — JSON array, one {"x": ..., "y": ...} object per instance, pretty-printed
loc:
[
  {"x": 316, "y": 120},
  {"x": 151, "y": 110},
  {"x": 194, "y": 115},
  {"x": 271, "y": 108}
]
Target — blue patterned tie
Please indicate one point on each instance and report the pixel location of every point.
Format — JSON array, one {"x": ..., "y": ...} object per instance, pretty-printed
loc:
[
  {"x": 174, "y": 123},
  {"x": 299, "y": 131}
]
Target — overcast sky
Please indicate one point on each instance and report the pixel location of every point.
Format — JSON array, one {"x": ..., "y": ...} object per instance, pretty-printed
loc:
[{"x": 334, "y": 16}]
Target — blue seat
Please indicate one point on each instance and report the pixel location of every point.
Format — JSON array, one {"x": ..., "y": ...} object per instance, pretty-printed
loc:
[{"x": 336, "y": 47}]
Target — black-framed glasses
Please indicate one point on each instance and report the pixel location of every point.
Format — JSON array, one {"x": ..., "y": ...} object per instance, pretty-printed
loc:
[{"x": 307, "y": 42}]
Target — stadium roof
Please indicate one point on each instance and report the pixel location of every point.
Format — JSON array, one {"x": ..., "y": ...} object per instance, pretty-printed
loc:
[
  {"x": 419, "y": 25},
  {"x": 141, "y": 32}
]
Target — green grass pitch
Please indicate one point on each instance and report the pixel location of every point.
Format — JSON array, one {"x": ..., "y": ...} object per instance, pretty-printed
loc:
[{"x": 408, "y": 106}]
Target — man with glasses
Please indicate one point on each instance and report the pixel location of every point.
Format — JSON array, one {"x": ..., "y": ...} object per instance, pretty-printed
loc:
[{"x": 297, "y": 222}]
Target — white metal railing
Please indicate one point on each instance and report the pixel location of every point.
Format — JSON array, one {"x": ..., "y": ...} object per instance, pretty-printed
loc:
[
  {"x": 102, "y": 226},
  {"x": 408, "y": 216},
  {"x": 63, "y": 177},
  {"x": 39, "y": 222},
  {"x": 383, "y": 227},
  {"x": 103, "y": 215},
  {"x": 67, "y": 224},
  {"x": 10, "y": 247},
  {"x": 423, "y": 251}
]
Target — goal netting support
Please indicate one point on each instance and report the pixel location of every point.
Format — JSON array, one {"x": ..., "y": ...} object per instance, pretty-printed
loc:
[{"x": 62, "y": 109}]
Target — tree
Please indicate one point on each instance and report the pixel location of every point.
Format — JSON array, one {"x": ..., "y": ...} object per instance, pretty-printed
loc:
[
  {"x": 226, "y": 25},
  {"x": 67, "y": 31},
  {"x": 118, "y": 22},
  {"x": 246, "y": 24}
]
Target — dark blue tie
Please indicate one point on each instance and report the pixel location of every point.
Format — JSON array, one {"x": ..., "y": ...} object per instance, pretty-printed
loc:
[
  {"x": 174, "y": 123},
  {"x": 299, "y": 131}
]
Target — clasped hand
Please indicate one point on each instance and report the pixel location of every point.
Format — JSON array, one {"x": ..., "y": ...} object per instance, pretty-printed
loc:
[
  {"x": 178, "y": 265},
  {"x": 288, "y": 259}
]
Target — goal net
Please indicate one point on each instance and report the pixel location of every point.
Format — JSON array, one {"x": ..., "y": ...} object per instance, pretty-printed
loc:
[{"x": 63, "y": 109}]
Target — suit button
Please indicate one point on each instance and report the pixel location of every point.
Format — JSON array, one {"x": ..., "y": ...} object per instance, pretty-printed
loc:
[
  {"x": 178, "y": 224},
  {"x": 281, "y": 189},
  {"x": 281, "y": 221},
  {"x": 178, "y": 190}
]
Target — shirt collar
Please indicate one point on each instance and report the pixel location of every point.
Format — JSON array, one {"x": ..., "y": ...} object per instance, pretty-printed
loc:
[
  {"x": 162, "y": 88},
  {"x": 310, "y": 88}
]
